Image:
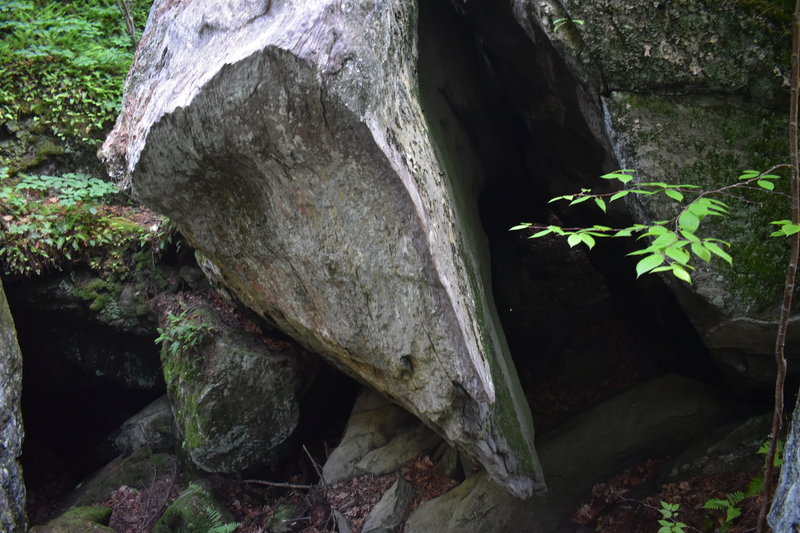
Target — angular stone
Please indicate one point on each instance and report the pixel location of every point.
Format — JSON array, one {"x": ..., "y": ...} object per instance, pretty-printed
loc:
[
  {"x": 13, "y": 518},
  {"x": 287, "y": 141},
  {"x": 390, "y": 512}
]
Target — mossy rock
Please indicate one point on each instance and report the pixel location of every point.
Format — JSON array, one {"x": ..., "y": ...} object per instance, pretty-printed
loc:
[
  {"x": 88, "y": 519},
  {"x": 194, "y": 511},
  {"x": 136, "y": 471},
  {"x": 679, "y": 47}
]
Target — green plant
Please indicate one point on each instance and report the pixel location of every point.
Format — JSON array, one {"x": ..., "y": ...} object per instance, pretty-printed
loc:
[
  {"x": 63, "y": 64},
  {"x": 730, "y": 507},
  {"x": 669, "y": 519},
  {"x": 50, "y": 221},
  {"x": 673, "y": 242},
  {"x": 217, "y": 525},
  {"x": 184, "y": 331},
  {"x": 559, "y": 22}
]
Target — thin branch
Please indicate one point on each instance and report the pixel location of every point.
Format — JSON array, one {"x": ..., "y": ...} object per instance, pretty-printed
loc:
[
  {"x": 280, "y": 485},
  {"x": 791, "y": 274},
  {"x": 128, "y": 18}
]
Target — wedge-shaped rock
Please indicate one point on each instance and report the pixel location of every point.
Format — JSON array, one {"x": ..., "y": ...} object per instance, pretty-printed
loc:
[{"x": 287, "y": 141}]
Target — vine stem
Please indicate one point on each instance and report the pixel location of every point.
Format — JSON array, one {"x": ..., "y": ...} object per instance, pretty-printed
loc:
[{"x": 791, "y": 273}]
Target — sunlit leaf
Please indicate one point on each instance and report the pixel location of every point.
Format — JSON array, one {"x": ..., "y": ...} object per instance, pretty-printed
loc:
[{"x": 648, "y": 263}]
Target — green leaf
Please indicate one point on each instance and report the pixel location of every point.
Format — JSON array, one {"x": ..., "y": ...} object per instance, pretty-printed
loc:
[
  {"x": 648, "y": 263},
  {"x": 689, "y": 221},
  {"x": 618, "y": 195},
  {"x": 678, "y": 254},
  {"x": 790, "y": 229},
  {"x": 579, "y": 200},
  {"x": 627, "y": 232},
  {"x": 690, "y": 236},
  {"x": 765, "y": 184},
  {"x": 716, "y": 250},
  {"x": 602, "y": 205},
  {"x": 715, "y": 504},
  {"x": 524, "y": 225},
  {"x": 574, "y": 240},
  {"x": 732, "y": 513},
  {"x": 541, "y": 233},
  {"x": 588, "y": 240},
  {"x": 681, "y": 273},
  {"x": 675, "y": 195},
  {"x": 621, "y": 175},
  {"x": 700, "y": 251}
]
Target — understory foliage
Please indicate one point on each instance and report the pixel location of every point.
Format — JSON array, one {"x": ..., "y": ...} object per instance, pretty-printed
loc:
[
  {"x": 184, "y": 330},
  {"x": 63, "y": 64},
  {"x": 50, "y": 222}
]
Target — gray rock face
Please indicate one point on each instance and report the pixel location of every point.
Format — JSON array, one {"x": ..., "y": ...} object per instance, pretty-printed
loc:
[
  {"x": 235, "y": 397},
  {"x": 287, "y": 141},
  {"x": 658, "y": 417},
  {"x": 13, "y": 518},
  {"x": 785, "y": 513},
  {"x": 692, "y": 92}
]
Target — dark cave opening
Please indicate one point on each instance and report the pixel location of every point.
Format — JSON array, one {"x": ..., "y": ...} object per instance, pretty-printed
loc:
[{"x": 579, "y": 326}]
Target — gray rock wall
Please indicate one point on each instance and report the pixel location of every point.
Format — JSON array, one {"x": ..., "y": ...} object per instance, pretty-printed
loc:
[{"x": 13, "y": 518}]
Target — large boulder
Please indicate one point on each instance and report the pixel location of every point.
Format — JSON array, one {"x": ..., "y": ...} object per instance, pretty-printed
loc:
[
  {"x": 13, "y": 517},
  {"x": 691, "y": 92},
  {"x": 287, "y": 140}
]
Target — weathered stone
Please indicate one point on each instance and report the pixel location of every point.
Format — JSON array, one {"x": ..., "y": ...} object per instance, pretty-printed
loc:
[
  {"x": 390, "y": 512},
  {"x": 289, "y": 145},
  {"x": 153, "y": 427},
  {"x": 13, "y": 518},
  {"x": 658, "y": 417},
  {"x": 192, "y": 512},
  {"x": 420, "y": 440},
  {"x": 89, "y": 519},
  {"x": 235, "y": 396},
  {"x": 373, "y": 422},
  {"x": 785, "y": 513}
]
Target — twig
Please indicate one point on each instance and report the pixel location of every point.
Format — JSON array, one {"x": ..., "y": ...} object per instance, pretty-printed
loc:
[
  {"x": 129, "y": 25},
  {"x": 279, "y": 484},
  {"x": 791, "y": 274},
  {"x": 316, "y": 467}
]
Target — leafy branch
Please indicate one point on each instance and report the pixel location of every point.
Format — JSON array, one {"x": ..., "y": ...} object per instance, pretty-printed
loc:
[{"x": 673, "y": 241}]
